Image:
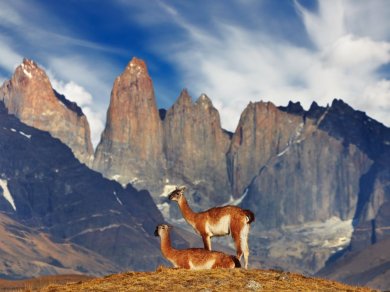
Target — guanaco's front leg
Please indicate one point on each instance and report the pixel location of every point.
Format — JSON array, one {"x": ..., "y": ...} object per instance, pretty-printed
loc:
[{"x": 206, "y": 241}]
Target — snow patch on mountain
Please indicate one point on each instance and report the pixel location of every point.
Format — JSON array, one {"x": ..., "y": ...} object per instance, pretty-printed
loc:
[
  {"x": 164, "y": 209},
  {"x": 6, "y": 193},
  {"x": 26, "y": 72},
  {"x": 116, "y": 197},
  {"x": 25, "y": 135},
  {"x": 236, "y": 202}
]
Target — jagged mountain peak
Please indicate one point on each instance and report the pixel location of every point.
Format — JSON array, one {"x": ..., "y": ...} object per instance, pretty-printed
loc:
[
  {"x": 136, "y": 66},
  {"x": 29, "y": 63},
  {"x": 340, "y": 105},
  {"x": 204, "y": 100},
  {"x": 30, "y": 96},
  {"x": 184, "y": 98},
  {"x": 131, "y": 140},
  {"x": 293, "y": 108},
  {"x": 264, "y": 106},
  {"x": 30, "y": 71}
]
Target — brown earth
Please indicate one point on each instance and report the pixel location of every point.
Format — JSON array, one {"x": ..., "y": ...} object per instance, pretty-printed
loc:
[{"x": 165, "y": 279}]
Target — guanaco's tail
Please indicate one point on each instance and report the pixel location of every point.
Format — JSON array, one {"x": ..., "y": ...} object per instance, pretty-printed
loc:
[
  {"x": 249, "y": 214},
  {"x": 236, "y": 262}
]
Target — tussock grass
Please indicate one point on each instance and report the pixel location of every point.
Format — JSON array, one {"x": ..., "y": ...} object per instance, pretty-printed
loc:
[{"x": 167, "y": 279}]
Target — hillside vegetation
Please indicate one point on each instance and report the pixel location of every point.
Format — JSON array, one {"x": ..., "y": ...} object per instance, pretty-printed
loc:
[{"x": 165, "y": 279}]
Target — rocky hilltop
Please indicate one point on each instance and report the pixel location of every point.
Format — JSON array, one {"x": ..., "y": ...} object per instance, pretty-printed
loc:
[
  {"x": 30, "y": 97},
  {"x": 206, "y": 280}
]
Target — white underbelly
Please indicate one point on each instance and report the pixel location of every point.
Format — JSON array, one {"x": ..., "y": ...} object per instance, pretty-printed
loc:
[
  {"x": 204, "y": 266},
  {"x": 222, "y": 227}
]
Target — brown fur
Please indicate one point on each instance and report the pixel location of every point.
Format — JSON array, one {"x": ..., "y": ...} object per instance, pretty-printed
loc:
[
  {"x": 218, "y": 221},
  {"x": 193, "y": 258}
]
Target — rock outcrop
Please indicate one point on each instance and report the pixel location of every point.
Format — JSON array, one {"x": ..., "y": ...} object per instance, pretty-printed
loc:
[
  {"x": 152, "y": 149},
  {"x": 130, "y": 149},
  {"x": 30, "y": 97},
  {"x": 195, "y": 147}
]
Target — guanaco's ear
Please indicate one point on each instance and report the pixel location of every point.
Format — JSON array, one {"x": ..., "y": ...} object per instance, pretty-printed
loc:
[
  {"x": 156, "y": 231},
  {"x": 182, "y": 188}
]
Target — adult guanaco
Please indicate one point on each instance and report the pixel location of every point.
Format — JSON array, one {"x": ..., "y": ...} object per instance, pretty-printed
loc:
[
  {"x": 193, "y": 258},
  {"x": 218, "y": 221}
]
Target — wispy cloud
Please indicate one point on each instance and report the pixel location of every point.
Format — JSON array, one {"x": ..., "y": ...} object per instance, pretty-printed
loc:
[
  {"x": 236, "y": 60},
  {"x": 9, "y": 58}
]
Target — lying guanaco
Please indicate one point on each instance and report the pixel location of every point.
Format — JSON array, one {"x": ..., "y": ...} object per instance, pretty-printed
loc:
[{"x": 193, "y": 258}]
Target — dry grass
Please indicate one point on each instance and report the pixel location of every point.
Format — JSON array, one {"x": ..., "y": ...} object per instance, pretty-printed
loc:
[
  {"x": 36, "y": 284},
  {"x": 166, "y": 279}
]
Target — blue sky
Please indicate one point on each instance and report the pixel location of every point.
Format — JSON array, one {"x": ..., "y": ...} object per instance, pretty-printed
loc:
[{"x": 234, "y": 51}]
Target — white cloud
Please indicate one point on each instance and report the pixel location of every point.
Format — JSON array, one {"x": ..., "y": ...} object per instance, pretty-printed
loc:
[
  {"x": 9, "y": 15},
  {"x": 235, "y": 64},
  {"x": 88, "y": 73},
  {"x": 76, "y": 93},
  {"x": 351, "y": 51},
  {"x": 96, "y": 118},
  {"x": 9, "y": 58},
  {"x": 73, "y": 92}
]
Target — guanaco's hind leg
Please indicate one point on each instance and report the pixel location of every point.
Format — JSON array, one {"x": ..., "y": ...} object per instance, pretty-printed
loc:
[
  {"x": 237, "y": 242},
  {"x": 244, "y": 243}
]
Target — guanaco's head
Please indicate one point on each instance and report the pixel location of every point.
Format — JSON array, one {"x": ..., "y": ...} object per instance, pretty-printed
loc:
[
  {"x": 162, "y": 229},
  {"x": 177, "y": 194}
]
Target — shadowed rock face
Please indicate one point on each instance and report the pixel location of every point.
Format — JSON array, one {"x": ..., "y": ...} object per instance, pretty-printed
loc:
[
  {"x": 314, "y": 178},
  {"x": 43, "y": 187},
  {"x": 30, "y": 97},
  {"x": 131, "y": 145}
]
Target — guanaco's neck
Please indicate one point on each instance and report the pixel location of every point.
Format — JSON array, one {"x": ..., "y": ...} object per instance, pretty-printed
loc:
[
  {"x": 187, "y": 212},
  {"x": 166, "y": 247}
]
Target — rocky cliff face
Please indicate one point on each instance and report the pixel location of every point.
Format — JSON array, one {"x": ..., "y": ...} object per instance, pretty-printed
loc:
[
  {"x": 263, "y": 132},
  {"x": 195, "y": 147},
  {"x": 30, "y": 97},
  {"x": 130, "y": 149},
  {"x": 312, "y": 177}
]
